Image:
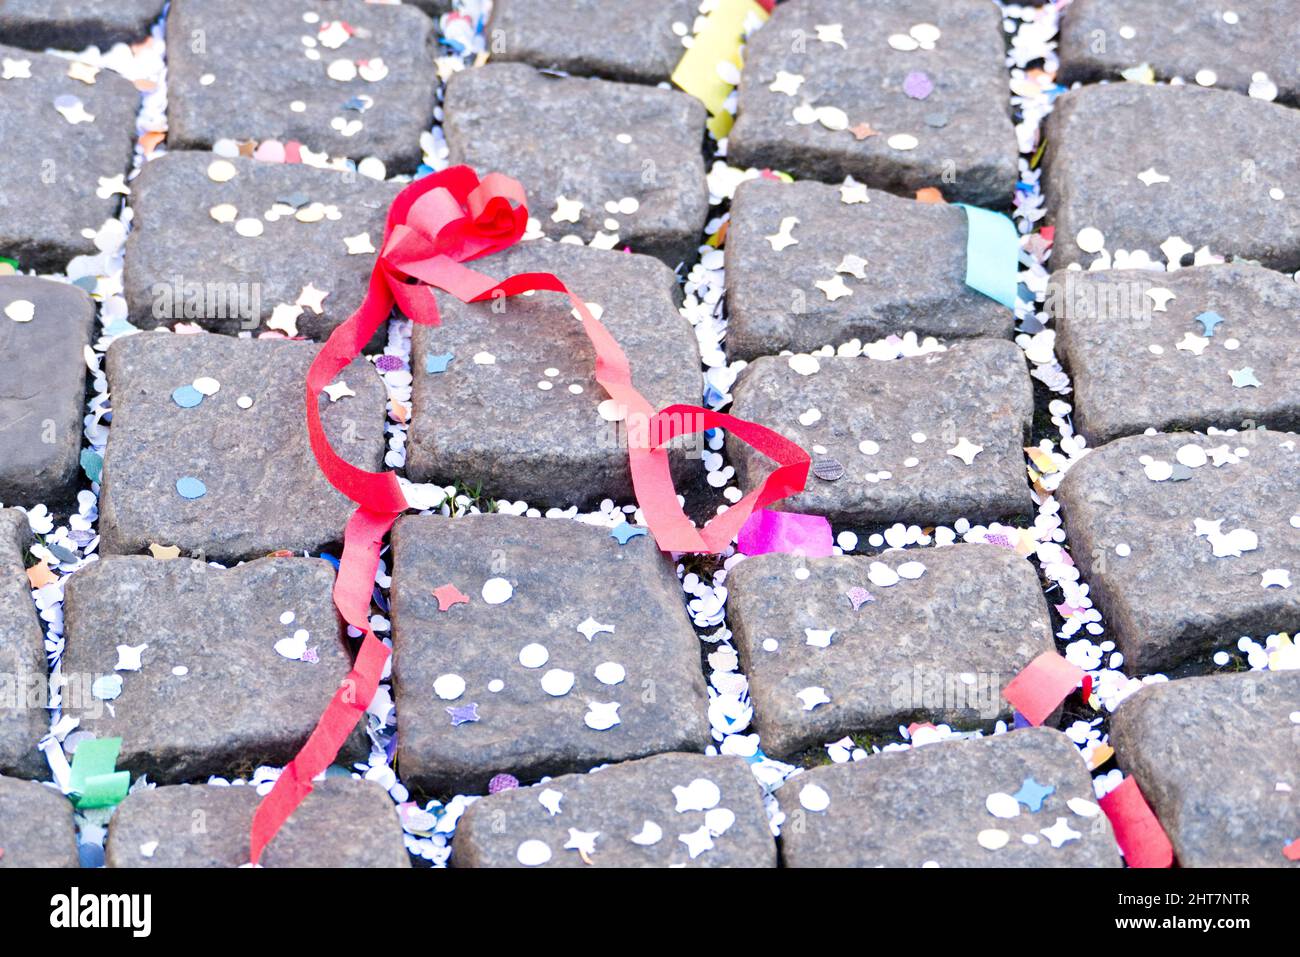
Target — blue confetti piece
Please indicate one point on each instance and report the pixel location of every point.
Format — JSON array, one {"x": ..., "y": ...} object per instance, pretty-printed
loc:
[
  {"x": 1209, "y": 321},
  {"x": 331, "y": 559},
  {"x": 92, "y": 463},
  {"x": 1031, "y": 794},
  {"x": 435, "y": 364},
  {"x": 190, "y": 487},
  {"x": 992, "y": 254},
  {"x": 187, "y": 397},
  {"x": 463, "y": 714},
  {"x": 625, "y": 532}
]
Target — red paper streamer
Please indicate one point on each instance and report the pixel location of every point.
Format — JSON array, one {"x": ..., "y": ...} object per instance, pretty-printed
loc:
[
  {"x": 1042, "y": 685},
  {"x": 434, "y": 227},
  {"x": 1137, "y": 831}
]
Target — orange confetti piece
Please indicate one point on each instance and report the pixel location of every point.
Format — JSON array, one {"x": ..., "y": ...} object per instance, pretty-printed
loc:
[
  {"x": 862, "y": 131},
  {"x": 930, "y": 194},
  {"x": 40, "y": 575},
  {"x": 149, "y": 141},
  {"x": 1041, "y": 459}
]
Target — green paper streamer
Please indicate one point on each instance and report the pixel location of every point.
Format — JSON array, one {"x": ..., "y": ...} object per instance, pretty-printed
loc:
[{"x": 94, "y": 781}]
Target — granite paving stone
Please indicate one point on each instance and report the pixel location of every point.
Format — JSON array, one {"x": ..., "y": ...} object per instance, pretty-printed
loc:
[
  {"x": 36, "y": 828},
  {"x": 629, "y": 40},
  {"x": 931, "y": 804},
  {"x": 1187, "y": 541},
  {"x": 589, "y": 658},
  {"x": 900, "y": 94},
  {"x": 257, "y": 486},
  {"x": 898, "y": 433},
  {"x": 190, "y": 664},
  {"x": 342, "y": 823},
  {"x": 629, "y": 174},
  {"x": 937, "y": 645},
  {"x": 348, "y": 78},
  {"x": 1232, "y": 185},
  {"x": 191, "y": 258},
  {"x": 63, "y": 138},
  {"x": 1215, "y": 758},
  {"x": 1225, "y": 46},
  {"x": 670, "y": 810},
  {"x": 44, "y": 328},
  {"x": 851, "y": 234},
  {"x": 528, "y": 424},
  {"x": 23, "y": 689},
  {"x": 1136, "y": 366},
  {"x": 76, "y": 24}
]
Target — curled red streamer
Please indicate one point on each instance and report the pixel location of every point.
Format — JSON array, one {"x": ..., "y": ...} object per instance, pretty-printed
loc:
[{"x": 434, "y": 227}]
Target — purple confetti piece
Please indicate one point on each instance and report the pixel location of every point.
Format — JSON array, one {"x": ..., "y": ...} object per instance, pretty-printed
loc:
[
  {"x": 858, "y": 596},
  {"x": 502, "y": 782},
  {"x": 387, "y": 363},
  {"x": 918, "y": 85},
  {"x": 463, "y": 714}
]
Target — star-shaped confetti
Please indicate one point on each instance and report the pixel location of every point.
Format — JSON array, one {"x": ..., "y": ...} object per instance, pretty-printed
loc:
[
  {"x": 83, "y": 72},
  {"x": 853, "y": 265},
  {"x": 787, "y": 83},
  {"x": 852, "y": 192},
  {"x": 284, "y": 318},
  {"x": 584, "y": 842},
  {"x": 1150, "y": 177},
  {"x": 1031, "y": 794},
  {"x": 312, "y": 298},
  {"x": 72, "y": 109},
  {"x": 831, "y": 33},
  {"x": 810, "y": 698},
  {"x": 626, "y": 532},
  {"x": 16, "y": 69},
  {"x": 834, "y": 288},
  {"x": 601, "y": 716},
  {"x": 591, "y": 628},
  {"x": 1275, "y": 578},
  {"x": 1209, "y": 322},
  {"x": 550, "y": 798},
  {"x": 449, "y": 595},
  {"x": 164, "y": 552},
  {"x": 111, "y": 186},
  {"x": 436, "y": 364},
  {"x": 128, "y": 657},
  {"x": 566, "y": 210},
  {"x": 1192, "y": 343},
  {"x": 784, "y": 237},
  {"x": 966, "y": 450},
  {"x": 697, "y": 841},
  {"x": 39, "y": 575},
  {"x": 863, "y": 131},
  {"x": 1244, "y": 378},
  {"x": 819, "y": 637},
  {"x": 1060, "y": 832},
  {"x": 338, "y": 390},
  {"x": 359, "y": 245},
  {"x": 1160, "y": 296},
  {"x": 463, "y": 714},
  {"x": 858, "y": 596}
]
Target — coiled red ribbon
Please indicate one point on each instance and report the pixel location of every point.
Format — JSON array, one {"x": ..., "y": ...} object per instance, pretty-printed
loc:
[{"x": 434, "y": 227}]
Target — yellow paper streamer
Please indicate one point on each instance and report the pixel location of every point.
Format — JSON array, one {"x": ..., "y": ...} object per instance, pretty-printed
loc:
[{"x": 718, "y": 42}]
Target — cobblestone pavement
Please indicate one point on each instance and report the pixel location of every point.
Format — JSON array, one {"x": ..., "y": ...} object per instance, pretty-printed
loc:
[{"x": 1086, "y": 482}]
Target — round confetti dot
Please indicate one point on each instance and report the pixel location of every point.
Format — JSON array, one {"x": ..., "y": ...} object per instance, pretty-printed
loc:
[
  {"x": 902, "y": 142},
  {"x": 813, "y": 797},
  {"x": 1128, "y": 33},
  {"x": 180, "y": 671},
  {"x": 1230, "y": 17},
  {"x": 287, "y": 618},
  {"x": 1191, "y": 455},
  {"x": 623, "y": 138},
  {"x": 533, "y": 853},
  {"x": 221, "y": 171},
  {"x": 1090, "y": 239},
  {"x": 1002, "y": 805},
  {"x": 533, "y": 655},
  {"x": 187, "y": 397},
  {"x": 628, "y": 205},
  {"x": 993, "y": 839},
  {"x": 497, "y": 591},
  {"x": 611, "y": 411},
  {"x": 902, "y": 42},
  {"x": 1206, "y": 77},
  {"x": 207, "y": 385},
  {"x": 771, "y": 644},
  {"x": 918, "y": 437},
  {"x": 550, "y": 373},
  {"x": 610, "y": 673},
  {"x": 575, "y": 389},
  {"x": 1276, "y": 193},
  {"x": 557, "y": 682},
  {"x": 911, "y": 463},
  {"x": 207, "y": 79},
  {"x": 249, "y": 228},
  {"x": 496, "y": 685},
  {"x": 224, "y": 213},
  {"x": 298, "y": 106},
  {"x": 449, "y": 687},
  {"x": 847, "y": 541},
  {"x": 244, "y": 402},
  {"x": 545, "y": 386},
  {"x": 190, "y": 487},
  {"x": 867, "y": 447},
  {"x": 1232, "y": 345},
  {"x": 1123, "y": 550}
]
